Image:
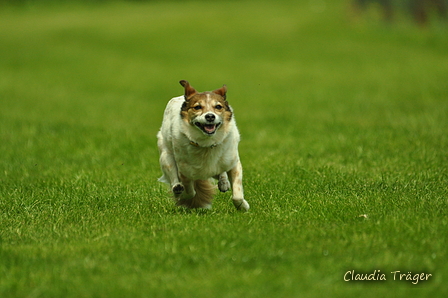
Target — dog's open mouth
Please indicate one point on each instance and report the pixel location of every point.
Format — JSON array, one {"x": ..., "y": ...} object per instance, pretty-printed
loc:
[{"x": 208, "y": 128}]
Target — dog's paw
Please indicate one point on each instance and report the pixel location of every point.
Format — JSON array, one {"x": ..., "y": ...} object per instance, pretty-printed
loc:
[
  {"x": 178, "y": 189},
  {"x": 241, "y": 204},
  {"x": 223, "y": 185}
]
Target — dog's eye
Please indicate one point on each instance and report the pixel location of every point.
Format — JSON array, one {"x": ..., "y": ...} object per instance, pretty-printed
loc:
[
  {"x": 218, "y": 107},
  {"x": 198, "y": 107}
]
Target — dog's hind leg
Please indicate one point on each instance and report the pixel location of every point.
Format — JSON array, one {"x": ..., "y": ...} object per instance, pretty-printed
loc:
[
  {"x": 197, "y": 194},
  {"x": 236, "y": 180},
  {"x": 223, "y": 182},
  {"x": 189, "y": 187}
]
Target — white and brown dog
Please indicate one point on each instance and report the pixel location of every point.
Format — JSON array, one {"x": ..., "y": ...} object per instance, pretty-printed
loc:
[{"x": 198, "y": 141}]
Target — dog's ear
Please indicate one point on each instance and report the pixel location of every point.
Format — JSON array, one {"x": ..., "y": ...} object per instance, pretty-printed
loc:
[
  {"x": 189, "y": 91},
  {"x": 221, "y": 91}
]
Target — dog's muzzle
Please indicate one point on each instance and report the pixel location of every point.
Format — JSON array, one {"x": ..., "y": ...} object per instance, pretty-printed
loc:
[{"x": 210, "y": 126}]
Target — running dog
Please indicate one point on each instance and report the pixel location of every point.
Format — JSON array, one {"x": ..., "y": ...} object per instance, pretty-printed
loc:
[{"x": 198, "y": 141}]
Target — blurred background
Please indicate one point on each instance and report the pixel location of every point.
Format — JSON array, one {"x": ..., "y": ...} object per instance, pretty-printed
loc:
[
  {"x": 419, "y": 11},
  {"x": 113, "y": 65}
]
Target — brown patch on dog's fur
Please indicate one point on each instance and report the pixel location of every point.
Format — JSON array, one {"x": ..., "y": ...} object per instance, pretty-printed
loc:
[
  {"x": 189, "y": 91},
  {"x": 221, "y": 91},
  {"x": 203, "y": 198}
]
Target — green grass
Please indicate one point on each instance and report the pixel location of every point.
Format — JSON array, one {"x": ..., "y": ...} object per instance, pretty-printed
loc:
[{"x": 339, "y": 118}]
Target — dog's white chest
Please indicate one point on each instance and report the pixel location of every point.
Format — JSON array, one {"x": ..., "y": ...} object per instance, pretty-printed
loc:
[{"x": 203, "y": 163}]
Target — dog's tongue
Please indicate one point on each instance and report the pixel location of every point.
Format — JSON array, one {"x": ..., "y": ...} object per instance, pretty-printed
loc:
[{"x": 209, "y": 127}]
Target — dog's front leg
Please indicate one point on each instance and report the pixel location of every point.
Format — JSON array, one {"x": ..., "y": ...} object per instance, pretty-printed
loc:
[
  {"x": 236, "y": 179},
  {"x": 170, "y": 171}
]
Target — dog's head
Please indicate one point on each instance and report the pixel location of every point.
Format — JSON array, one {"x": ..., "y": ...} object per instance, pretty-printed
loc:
[{"x": 208, "y": 111}]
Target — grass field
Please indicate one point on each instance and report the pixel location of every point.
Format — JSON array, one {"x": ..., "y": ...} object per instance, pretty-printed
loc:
[{"x": 339, "y": 117}]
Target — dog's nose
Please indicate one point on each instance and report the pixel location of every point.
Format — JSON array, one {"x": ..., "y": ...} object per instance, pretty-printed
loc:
[{"x": 210, "y": 117}]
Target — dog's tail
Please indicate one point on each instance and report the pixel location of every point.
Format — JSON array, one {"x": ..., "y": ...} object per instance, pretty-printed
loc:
[{"x": 203, "y": 198}]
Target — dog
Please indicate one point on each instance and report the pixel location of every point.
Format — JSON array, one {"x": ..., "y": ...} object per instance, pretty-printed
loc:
[{"x": 198, "y": 141}]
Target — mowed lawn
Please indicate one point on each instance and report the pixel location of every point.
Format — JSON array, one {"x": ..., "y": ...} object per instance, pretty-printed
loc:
[{"x": 344, "y": 126}]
